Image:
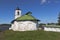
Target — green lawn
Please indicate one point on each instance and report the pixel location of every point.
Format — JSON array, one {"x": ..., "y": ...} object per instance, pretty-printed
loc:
[
  {"x": 29, "y": 35},
  {"x": 53, "y": 26}
]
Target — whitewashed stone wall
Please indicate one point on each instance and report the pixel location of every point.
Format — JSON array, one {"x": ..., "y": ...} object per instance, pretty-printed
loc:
[
  {"x": 51, "y": 29},
  {"x": 14, "y": 26},
  {"x": 24, "y": 26}
]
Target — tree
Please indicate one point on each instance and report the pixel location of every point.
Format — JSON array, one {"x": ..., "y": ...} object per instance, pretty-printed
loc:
[
  {"x": 51, "y": 23},
  {"x": 59, "y": 19}
]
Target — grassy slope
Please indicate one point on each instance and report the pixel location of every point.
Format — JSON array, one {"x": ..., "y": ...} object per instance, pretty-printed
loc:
[
  {"x": 31, "y": 35},
  {"x": 55, "y": 26}
]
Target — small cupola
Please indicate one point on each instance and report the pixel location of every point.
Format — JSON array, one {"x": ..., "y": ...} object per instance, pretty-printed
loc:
[
  {"x": 17, "y": 12},
  {"x": 18, "y": 8}
]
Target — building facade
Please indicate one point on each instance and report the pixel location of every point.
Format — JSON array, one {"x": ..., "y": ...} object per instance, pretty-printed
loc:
[{"x": 24, "y": 22}]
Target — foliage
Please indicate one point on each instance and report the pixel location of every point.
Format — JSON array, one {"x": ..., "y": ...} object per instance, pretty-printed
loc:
[
  {"x": 42, "y": 24},
  {"x": 51, "y": 23},
  {"x": 52, "y": 26},
  {"x": 59, "y": 19}
]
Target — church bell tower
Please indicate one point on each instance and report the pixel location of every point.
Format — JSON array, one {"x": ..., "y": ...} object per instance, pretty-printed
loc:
[{"x": 17, "y": 12}]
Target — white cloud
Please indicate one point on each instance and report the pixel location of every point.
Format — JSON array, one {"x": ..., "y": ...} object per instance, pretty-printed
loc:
[
  {"x": 43, "y": 1},
  {"x": 49, "y": 1}
]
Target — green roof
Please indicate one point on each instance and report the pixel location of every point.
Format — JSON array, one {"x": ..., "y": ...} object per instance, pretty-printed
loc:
[{"x": 27, "y": 16}]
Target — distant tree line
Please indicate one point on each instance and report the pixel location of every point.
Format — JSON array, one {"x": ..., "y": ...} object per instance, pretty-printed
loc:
[
  {"x": 58, "y": 22},
  {"x": 59, "y": 19}
]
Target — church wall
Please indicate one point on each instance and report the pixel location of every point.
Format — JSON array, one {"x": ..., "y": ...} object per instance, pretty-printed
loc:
[
  {"x": 27, "y": 25},
  {"x": 14, "y": 26},
  {"x": 52, "y": 29}
]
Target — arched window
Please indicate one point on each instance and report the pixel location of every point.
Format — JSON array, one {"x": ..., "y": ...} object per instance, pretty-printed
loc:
[{"x": 18, "y": 13}]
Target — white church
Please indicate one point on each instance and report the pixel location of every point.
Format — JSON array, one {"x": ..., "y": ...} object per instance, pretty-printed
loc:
[{"x": 23, "y": 22}]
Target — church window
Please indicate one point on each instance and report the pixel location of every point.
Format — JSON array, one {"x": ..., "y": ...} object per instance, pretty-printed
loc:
[{"x": 18, "y": 13}]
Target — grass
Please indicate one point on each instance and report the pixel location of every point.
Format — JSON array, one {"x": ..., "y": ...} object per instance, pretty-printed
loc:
[
  {"x": 29, "y": 35},
  {"x": 53, "y": 26}
]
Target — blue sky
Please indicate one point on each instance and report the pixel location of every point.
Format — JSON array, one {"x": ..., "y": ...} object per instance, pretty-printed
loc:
[{"x": 45, "y": 10}]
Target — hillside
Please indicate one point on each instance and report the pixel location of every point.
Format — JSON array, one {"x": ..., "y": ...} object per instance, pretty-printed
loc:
[
  {"x": 29, "y": 35},
  {"x": 4, "y": 27}
]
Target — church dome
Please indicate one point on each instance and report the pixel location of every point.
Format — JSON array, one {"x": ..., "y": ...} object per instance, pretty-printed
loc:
[{"x": 27, "y": 17}]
